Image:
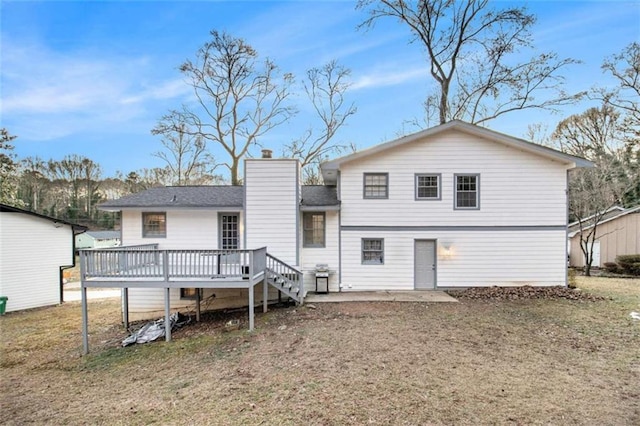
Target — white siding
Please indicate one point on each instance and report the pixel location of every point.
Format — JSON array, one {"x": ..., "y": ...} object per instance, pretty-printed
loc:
[
  {"x": 480, "y": 258},
  {"x": 146, "y": 303},
  {"x": 31, "y": 253},
  {"x": 186, "y": 229},
  {"x": 271, "y": 207},
  {"x": 516, "y": 188},
  {"x": 328, "y": 254}
]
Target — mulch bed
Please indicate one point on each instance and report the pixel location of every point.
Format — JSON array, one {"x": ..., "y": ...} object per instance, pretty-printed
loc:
[{"x": 524, "y": 292}]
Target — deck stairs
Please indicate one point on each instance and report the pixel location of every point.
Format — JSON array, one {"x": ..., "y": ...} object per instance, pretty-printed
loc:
[{"x": 285, "y": 278}]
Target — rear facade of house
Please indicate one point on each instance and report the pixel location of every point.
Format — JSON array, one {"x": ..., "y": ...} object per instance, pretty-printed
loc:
[{"x": 454, "y": 206}]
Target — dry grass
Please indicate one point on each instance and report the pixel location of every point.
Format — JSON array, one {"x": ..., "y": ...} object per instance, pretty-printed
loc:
[{"x": 474, "y": 362}]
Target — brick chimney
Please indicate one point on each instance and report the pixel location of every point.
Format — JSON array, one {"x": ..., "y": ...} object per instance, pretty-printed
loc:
[{"x": 266, "y": 153}]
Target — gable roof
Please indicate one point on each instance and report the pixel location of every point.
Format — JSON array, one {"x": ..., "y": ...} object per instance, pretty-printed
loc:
[
  {"x": 180, "y": 197},
  {"x": 611, "y": 214},
  {"x": 4, "y": 208},
  {"x": 330, "y": 168}
]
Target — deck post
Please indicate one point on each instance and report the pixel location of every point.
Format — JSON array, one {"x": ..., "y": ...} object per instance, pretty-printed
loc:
[
  {"x": 85, "y": 321},
  {"x": 265, "y": 293},
  {"x": 125, "y": 307},
  {"x": 197, "y": 305},
  {"x": 167, "y": 314},
  {"x": 251, "y": 313}
]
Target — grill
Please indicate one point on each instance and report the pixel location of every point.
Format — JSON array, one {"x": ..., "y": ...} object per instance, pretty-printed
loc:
[{"x": 322, "y": 278}]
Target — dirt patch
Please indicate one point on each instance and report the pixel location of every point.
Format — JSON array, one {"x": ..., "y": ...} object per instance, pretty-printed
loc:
[
  {"x": 524, "y": 361},
  {"x": 524, "y": 292}
]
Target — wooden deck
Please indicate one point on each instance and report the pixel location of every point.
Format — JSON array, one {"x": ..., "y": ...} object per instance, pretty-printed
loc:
[{"x": 146, "y": 266}]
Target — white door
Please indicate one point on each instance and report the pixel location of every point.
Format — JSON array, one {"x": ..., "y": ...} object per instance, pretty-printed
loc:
[{"x": 425, "y": 264}]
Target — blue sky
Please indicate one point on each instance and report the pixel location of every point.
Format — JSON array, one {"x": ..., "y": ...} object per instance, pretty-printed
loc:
[{"x": 92, "y": 78}]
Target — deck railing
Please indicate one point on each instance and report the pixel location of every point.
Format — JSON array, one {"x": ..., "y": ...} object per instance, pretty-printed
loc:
[{"x": 147, "y": 261}]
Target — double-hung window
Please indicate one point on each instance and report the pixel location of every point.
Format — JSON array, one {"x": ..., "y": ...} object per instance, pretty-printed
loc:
[
  {"x": 314, "y": 229},
  {"x": 154, "y": 225},
  {"x": 467, "y": 192},
  {"x": 372, "y": 251},
  {"x": 376, "y": 185},
  {"x": 428, "y": 186}
]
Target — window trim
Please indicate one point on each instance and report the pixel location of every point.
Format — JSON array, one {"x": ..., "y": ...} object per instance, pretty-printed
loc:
[
  {"x": 364, "y": 186},
  {"x": 305, "y": 244},
  {"x": 438, "y": 176},
  {"x": 145, "y": 233},
  {"x": 220, "y": 229},
  {"x": 455, "y": 191},
  {"x": 369, "y": 262}
]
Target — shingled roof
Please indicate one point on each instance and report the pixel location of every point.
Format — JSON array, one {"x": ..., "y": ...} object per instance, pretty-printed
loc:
[
  {"x": 180, "y": 197},
  {"x": 319, "y": 195},
  {"x": 210, "y": 196}
]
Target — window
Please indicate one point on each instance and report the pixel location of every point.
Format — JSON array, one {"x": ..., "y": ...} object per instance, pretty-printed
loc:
[
  {"x": 372, "y": 251},
  {"x": 314, "y": 229},
  {"x": 428, "y": 187},
  {"x": 467, "y": 192},
  {"x": 154, "y": 225},
  {"x": 376, "y": 185},
  {"x": 190, "y": 293},
  {"x": 229, "y": 231}
]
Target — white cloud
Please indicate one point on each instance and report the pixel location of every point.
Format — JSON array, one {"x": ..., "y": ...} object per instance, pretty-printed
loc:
[
  {"x": 390, "y": 77},
  {"x": 48, "y": 94}
]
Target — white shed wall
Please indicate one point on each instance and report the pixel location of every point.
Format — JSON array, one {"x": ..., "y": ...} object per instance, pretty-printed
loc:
[
  {"x": 516, "y": 188},
  {"x": 478, "y": 258},
  {"x": 27, "y": 241}
]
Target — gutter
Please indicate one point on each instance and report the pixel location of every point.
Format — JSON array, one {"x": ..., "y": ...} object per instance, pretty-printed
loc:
[{"x": 74, "y": 228}]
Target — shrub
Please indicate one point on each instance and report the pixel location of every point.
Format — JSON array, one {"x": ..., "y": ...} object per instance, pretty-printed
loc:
[
  {"x": 612, "y": 267},
  {"x": 629, "y": 263}
]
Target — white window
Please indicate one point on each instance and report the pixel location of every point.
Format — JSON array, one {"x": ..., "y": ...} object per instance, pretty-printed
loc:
[
  {"x": 372, "y": 251},
  {"x": 427, "y": 186},
  {"x": 376, "y": 185},
  {"x": 467, "y": 192},
  {"x": 314, "y": 229},
  {"x": 154, "y": 225}
]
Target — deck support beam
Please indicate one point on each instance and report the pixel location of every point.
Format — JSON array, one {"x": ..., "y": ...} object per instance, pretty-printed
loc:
[
  {"x": 85, "y": 321},
  {"x": 198, "y": 304},
  {"x": 167, "y": 314},
  {"x": 125, "y": 307},
  {"x": 251, "y": 313},
  {"x": 265, "y": 294}
]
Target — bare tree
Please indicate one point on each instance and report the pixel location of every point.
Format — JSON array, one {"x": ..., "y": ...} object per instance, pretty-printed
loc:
[
  {"x": 325, "y": 87},
  {"x": 8, "y": 170},
  {"x": 596, "y": 135},
  {"x": 625, "y": 67},
  {"x": 185, "y": 151},
  {"x": 238, "y": 100},
  {"x": 471, "y": 48}
]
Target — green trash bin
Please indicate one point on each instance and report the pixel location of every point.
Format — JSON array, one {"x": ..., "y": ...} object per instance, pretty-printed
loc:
[{"x": 3, "y": 304}]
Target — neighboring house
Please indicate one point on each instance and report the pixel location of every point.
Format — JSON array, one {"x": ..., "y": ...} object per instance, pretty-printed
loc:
[
  {"x": 617, "y": 233},
  {"x": 97, "y": 239},
  {"x": 34, "y": 249},
  {"x": 453, "y": 206}
]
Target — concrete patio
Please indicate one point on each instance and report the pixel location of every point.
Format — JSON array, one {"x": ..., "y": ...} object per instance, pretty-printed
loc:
[{"x": 380, "y": 296}]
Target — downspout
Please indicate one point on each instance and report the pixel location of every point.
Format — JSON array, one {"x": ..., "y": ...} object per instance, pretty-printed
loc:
[{"x": 73, "y": 257}]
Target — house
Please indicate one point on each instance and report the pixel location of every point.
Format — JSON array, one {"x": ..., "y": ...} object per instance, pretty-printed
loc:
[
  {"x": 452, "y": 206},
  {"x": 34, "y": 251},
  {"x": 97, "y": 239},
  {"x": 617, "y": 233}
]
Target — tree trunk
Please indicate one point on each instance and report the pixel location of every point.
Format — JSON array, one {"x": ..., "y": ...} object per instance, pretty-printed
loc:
[
  {"x": 444, "y": 101},
  {"x": 234, "y": 172}
]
